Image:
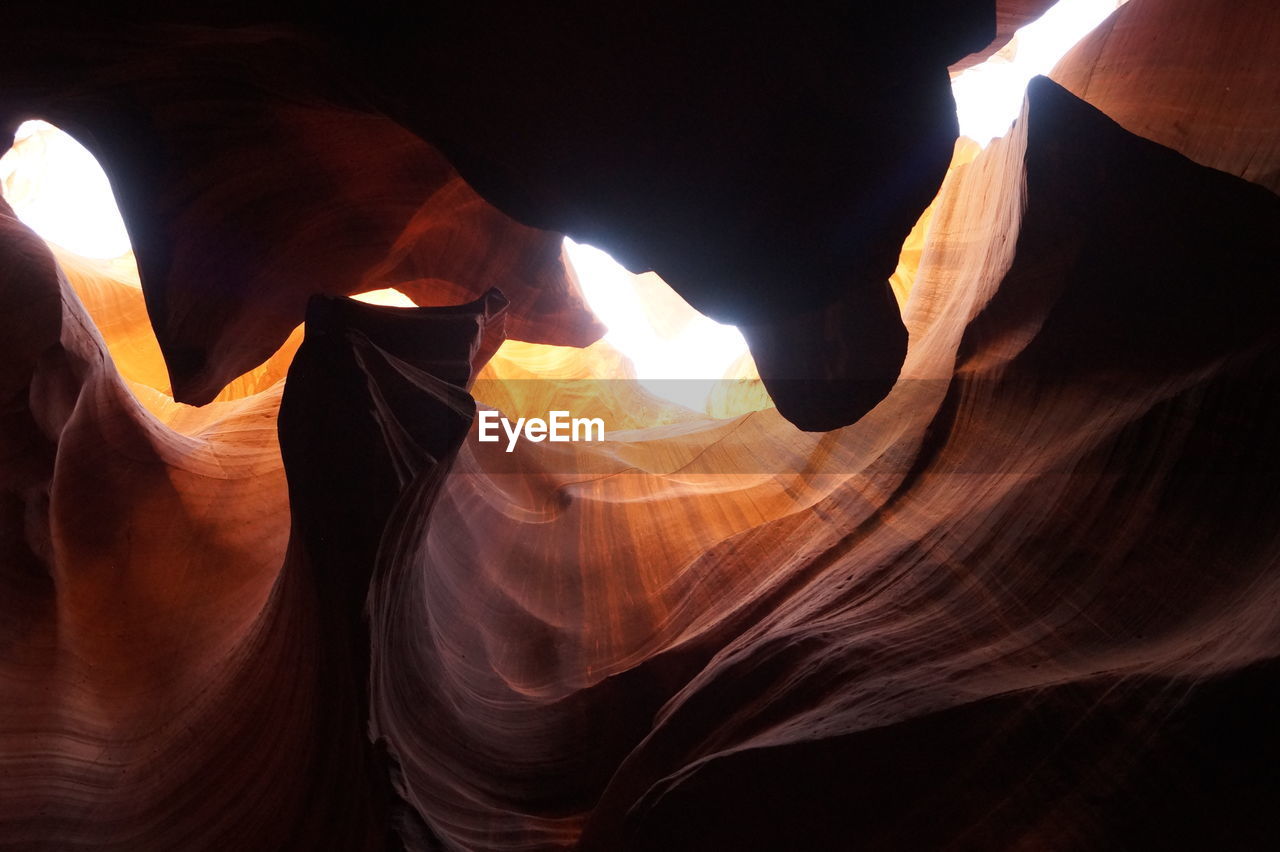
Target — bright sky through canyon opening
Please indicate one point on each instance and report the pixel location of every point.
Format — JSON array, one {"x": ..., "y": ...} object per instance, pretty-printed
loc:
[
  {"x": 58, "y": 189},
  {"x": 989, "y": 95}
]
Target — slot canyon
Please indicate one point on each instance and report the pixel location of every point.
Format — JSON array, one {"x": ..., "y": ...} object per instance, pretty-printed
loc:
[{"x": 938, "y": 501}]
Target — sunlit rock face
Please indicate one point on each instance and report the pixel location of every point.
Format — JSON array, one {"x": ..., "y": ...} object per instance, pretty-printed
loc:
[
  {"x": 1028, "y": 601},
  {"x": 1189, "y": 75}
]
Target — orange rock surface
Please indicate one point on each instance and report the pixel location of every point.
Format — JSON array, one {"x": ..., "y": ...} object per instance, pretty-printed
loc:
[{"x": 1030, "y": 600}]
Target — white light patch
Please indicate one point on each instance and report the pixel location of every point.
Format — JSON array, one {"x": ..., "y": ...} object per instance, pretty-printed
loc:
[
  {"x": 389, "y": 296},
  {"x": 57, "y": 189},
  {"x": 682, "y": 365},
  {"x": 989, "y": 96}
]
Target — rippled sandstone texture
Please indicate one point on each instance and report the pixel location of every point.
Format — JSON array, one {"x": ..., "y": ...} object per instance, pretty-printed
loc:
[{"x": 1028, "y": 601}]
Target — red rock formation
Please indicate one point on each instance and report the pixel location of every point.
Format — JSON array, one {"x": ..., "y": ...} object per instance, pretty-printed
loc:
[
  {"x": 178, "y": 670},
  {"x": 1028, "y": 601},
  {"x": 948, "y": 625},
  {"x": 137, "y": 561},
  {"x": 1190, "y": 75}
]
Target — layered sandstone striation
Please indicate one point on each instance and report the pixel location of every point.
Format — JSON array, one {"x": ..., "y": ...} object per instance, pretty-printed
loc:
[{"x": 1027, "y": 600}]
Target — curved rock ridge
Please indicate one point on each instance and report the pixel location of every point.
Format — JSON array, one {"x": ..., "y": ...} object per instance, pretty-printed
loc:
[
  {"x": 136, "y": 561},
  {"x": 375, "y": 406},
  {"x": 179, "y": 669}
]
